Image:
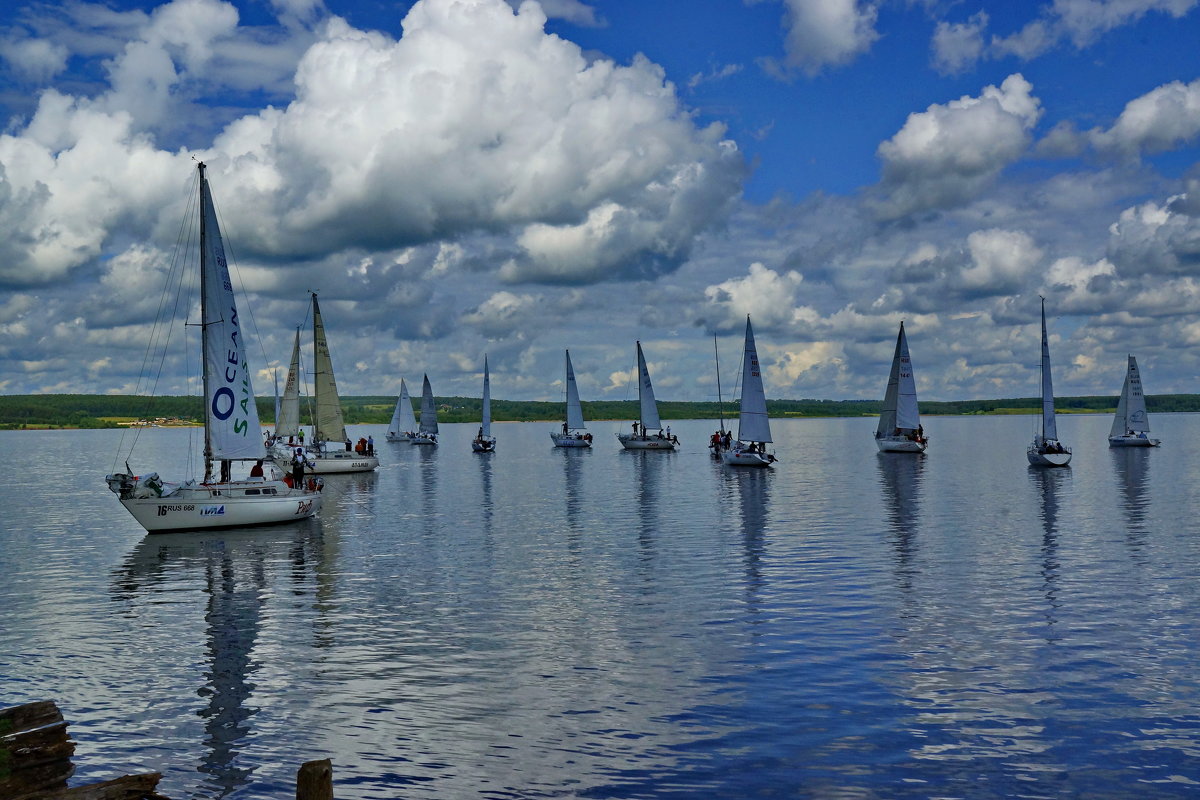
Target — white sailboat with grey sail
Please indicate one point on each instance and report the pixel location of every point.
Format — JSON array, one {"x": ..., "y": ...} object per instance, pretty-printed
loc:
[
  {"x": 484, "y": 442},
  {"x": 648, "y": 432},
  {"x": 754, "y": 425},
  {"x": 1046, "y": 450},
  {"x": 574, "y": 431},
  {"x": 403, "y": 426},
  {"x": 427, "y": 429},
  {"x": 899, "y": 429},
  {"x": 231, "y": 427},
  {"x": 1131, "y": 424}
]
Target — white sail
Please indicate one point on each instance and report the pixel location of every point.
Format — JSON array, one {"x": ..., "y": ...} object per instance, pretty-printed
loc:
[
  {"x": 288, "y": 421},
  {"x": 486, "y": 425},
  {"x": 428, "y": 409},
  {"x": 574, "y": 408},
  {"x": 1049, "y": 426},
  {"x": 1131, "y": 408},
  {"x": 406, "y": 421},
  {"x": 649, "y": 408},
  {"x": 232, "y": 431},
  {"x": 900, "y": 399},
  {"x": 753, "y": 424},
  {"x": 328, "y": 424}
]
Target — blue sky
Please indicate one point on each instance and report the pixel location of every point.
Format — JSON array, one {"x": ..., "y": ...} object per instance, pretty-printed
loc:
[{"x": 460, "y": 177}]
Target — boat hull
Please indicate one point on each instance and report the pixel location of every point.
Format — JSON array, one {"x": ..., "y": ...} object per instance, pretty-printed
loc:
[
  {"x": 571, "y": 439},
  {"x": 899, "y": 444},
  {"x": 327, "y": 463},
  {"x": 631, "y": 442},
  {"x": 1037, "y": 459},
  {"x": 205, "y": 507},
  {"x": 423, "y": 438},
  {"x": 1133, "y": 441},
  {"x": 398, "y": 437},
  {"x": 735, "y": 457},
  {"x": 483, "y": 445}
]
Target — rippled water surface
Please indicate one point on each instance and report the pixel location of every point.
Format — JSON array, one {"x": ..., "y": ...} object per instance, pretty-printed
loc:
[{"x": 553, "y": 623}]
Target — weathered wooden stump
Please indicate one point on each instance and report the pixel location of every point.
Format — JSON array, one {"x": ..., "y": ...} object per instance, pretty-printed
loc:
[{"x": 314, "y": 780}]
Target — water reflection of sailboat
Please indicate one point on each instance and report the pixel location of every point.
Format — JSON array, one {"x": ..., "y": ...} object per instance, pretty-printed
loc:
[
  {"x": 234, "y": 573},
  {"x": 1048, "y": 484},
  {"x": 1133, "y": 465},
  {"x": 647, "y": 473},
  {"x": 900, "y": 479},
  {"x": 753, "y": 490},
  {"x": 571, "y": 492}
]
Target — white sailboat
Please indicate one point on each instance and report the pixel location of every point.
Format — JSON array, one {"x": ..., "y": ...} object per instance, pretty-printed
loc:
[
  {"x": 641, "y": 438},
  {"x": 1131, "y": 425},
  {"x": 484, "y": 442},
  {"x": 427, "y": 431},
  {"x": 754, "y": 426},
  {"x": 1046, "y": 450},
  {"x": 403, "y": 426},
  {"x": 231, "y": 427},
  {"x": 899, "y": 429},
  {"x": 287, "y": 420},
  {"x": 718, "y": 441},
  {"x": 329, "y": 451},
  {"x": 573, "y": 432}
]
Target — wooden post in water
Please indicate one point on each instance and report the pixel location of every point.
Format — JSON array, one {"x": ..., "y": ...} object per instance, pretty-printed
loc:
[
  {"x": 314, "y": 780},
  {"x": 35, "y": 751}
]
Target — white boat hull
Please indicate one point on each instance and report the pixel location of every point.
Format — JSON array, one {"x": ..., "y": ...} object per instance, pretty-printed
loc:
[
  {"x": 900, "y": 444},
  {"x": 398, "y": 437},
  {"x": 1037, "y": 459},
  {"x": 424, "y": 438},
  {"x": 571, "y": 439},
  {"x": 631, "y": 442},
  {"x": 740, "y": 457},
  {"x": 225, "y": 505},
  {"x": 486, "y": 445},
  {"x": 1133, "y": 441},
  {"x": 327, "y": 463}
]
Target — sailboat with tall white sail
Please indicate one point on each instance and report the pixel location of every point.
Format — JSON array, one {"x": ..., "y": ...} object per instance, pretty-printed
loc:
[
  {"x": 484, "y": 442},
  {"x": 899, "y": 429},
  {"x": 1046, "y": 450},
  {"x": 648, "y": 419},
  {"x": 287, "y": 420},
  {"x": 754, "y": 425},
  {"x": 329, "y": 450},
  {"x": 403, "y": 426},
  {"x": 574, "y": 431},
  {"x": 427, "y": 429},
  {"x": 231, "y": 427},
  {"x": 1131, "y": 424}
]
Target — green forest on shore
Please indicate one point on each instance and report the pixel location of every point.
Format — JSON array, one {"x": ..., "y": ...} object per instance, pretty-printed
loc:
[{"x": 39, "y": 411}]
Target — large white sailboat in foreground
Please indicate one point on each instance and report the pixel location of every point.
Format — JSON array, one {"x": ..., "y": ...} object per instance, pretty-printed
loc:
[
  {"x": 1131, "y": 425},
  {"x": 754, "y": 426},
  {"x": 427, "y": 430},
  {"x": 574, "y": 432},
  {"x": 231, "y": 428},
  {"x": 899, "y": 429},
  {"x": 329, "y": 450},
  {"x": 1046, "y": 450},
  {"x": 642, "y": 438},
  {"x": 403, "y": 426},
  {"x": 484, "y": 442}
]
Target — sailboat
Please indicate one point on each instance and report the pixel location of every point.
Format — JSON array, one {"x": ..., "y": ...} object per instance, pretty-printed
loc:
[
  {"x": 1046, "y": 450},
  {"x": 754, "y": 426},
  {"x": 572, "y": 434},
  {"x": 287, "y": 420},
  {"x": 484, "y": 442},
  {"x": 899, "y": 429},
  {"x": 1131, "y": 425},
  {"x": 427, "y": 431},
  {"x": 329, "y": 450},
  {"x": 231, "y": 428},
  {"x": 403, "y": 426},
  {"x": 716, "y": 442},
  {"x": 641, "y": 438}
]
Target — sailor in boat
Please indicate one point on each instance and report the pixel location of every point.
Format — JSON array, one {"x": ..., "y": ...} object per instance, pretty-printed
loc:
[{"x": 257, "y": 470}]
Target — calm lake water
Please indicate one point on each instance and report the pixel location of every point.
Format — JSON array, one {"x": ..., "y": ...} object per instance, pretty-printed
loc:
[{"x": 604, "y": 624}]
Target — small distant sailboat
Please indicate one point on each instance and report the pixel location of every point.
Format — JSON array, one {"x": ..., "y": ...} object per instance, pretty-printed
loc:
[
  {"x": 427, "y": 431},
  {"x": 484, "y": 442},
  {"x": 1131, "y": 425},
  {"x": 287, "y": 420},
  {"x": 754, "y": 426},
  {"x": 403, "y": 426},
  {"x": 231, "y": 428},
  {"x": 573, "y": 430},
  {"x": 899, "y": 429},
  {"x": 1046, "y": 450},
  {"x": 641, "y": 438},
  {"x": 329, "y": 450}
]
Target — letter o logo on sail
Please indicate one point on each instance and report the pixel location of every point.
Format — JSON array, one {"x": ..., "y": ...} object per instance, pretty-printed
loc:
[{"x": 226, "y": 393}]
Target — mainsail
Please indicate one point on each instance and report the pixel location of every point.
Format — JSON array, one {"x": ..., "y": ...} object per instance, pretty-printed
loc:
[
  {"x": 1131, "y": 408},
  {"x": 402, "y": 416},
  {"x": 428, "y": 410},
  {"x": 649, "y": 410},
  {"x": 900, "y": 399},
  {"x": 574, "y": 409},
  {"x": 288, "y": 421},
  {"x": 1049, "y": 426},
  {"x": 753, "y": 424},
  {"x": 486, "y": 425},
  {"x": 328, "y": 424},
  {"x": 231, "y": 428}
]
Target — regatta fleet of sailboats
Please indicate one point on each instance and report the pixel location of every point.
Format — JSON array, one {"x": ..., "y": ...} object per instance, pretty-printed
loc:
[{"x": 231, "y": 419}]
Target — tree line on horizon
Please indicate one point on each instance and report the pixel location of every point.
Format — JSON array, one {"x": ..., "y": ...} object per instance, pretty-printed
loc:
[{"x": 107, "y": 411}]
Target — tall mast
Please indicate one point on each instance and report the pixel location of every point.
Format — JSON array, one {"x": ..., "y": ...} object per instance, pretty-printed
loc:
[
  {"x": 720, "y": 405},
  {"x": 204, "y": 322}
]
